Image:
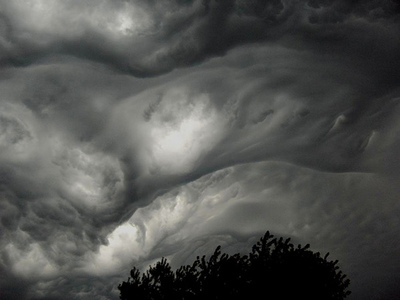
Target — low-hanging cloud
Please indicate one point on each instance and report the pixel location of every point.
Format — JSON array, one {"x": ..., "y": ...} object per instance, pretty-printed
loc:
[
  {"x": 146, "y": 39},
  {"x": 131, "y": 130}
]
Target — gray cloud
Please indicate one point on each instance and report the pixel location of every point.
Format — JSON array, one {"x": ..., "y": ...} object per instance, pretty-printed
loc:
[
  {"x": 335, "y": 212},
  {"x": 253, "y": 116},
  {"x": 166, "y": 35}
]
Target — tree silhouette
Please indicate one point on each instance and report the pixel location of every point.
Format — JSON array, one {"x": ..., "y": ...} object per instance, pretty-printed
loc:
[{"x": 274, "y": 269}]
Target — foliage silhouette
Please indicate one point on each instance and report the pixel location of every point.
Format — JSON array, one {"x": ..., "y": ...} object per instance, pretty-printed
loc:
[{"x": 275, "y": 269}]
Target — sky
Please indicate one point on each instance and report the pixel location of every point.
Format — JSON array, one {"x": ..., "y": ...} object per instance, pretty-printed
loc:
[{"x": 132, "y": 130}]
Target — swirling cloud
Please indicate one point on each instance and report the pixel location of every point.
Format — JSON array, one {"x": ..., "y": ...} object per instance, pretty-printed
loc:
[{"x": 131, "y": 130}]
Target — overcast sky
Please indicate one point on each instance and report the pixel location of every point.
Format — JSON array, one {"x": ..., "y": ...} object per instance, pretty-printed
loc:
[{"x": 136, "y": 129}]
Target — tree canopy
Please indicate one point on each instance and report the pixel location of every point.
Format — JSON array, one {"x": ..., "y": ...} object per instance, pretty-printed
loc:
[{"x": 274, "y": 269}]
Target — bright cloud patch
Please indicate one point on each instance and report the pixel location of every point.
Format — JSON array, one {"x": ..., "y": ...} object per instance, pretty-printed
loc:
[
  {"x": 71, "y": 19},
  {"x": 182, "y": 129}
]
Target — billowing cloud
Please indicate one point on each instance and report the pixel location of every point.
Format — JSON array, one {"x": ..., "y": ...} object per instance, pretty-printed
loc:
[
  {"x": 149, "y": 38},
  {"x": 131, "y": 130}
]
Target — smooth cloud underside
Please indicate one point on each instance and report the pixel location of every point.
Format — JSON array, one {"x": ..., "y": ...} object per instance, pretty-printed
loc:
[{"x": 131, "y": 130}]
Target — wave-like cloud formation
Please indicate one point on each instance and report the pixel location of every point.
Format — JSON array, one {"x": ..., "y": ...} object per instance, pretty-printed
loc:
[
  {"x": 131, "y": 130},
  {"x": 148, "y": 38}
]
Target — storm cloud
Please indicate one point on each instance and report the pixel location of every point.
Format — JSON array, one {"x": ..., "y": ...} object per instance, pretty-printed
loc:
[{"x": 132, "y": 130}]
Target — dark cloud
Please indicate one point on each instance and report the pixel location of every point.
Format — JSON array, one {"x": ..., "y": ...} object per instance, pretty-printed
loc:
[
  {"x": 340, "y": 11},
  {"x": 168, "y": 34},
  {"x": 11, "y": 287},
  {"x": 131, "y": 130}
]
